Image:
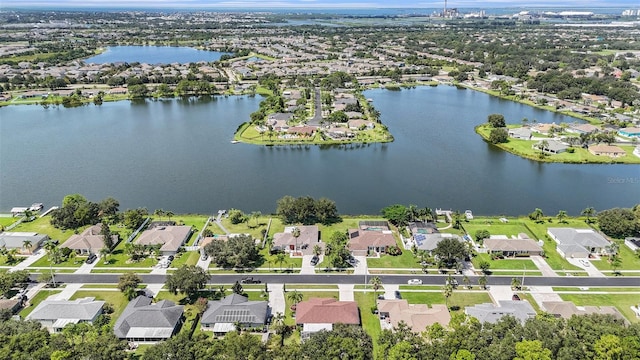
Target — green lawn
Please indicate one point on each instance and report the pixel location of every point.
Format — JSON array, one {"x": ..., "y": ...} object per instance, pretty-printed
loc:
[
  {"x": 253, "y": 226},
  {"x": 43, "y": 226},
  {"x": 118, "y": 258},
  {"x": 186, "y": 258},
  {"x": 495, "y": 226},
  {"x": 190, "y": 312},
  {"x": 370, "y": 321},
  {"x": 524, "y": 149},
  {"x": 539, "y": 231},
  {"x": 405, "y": 260},
  {"x": 605, "y": 289},
  {"x": 622, "y": 302},
  {"x": 40, "y": 296},
  {"x": 72, "y": 262},
  {"x": 6, "y": 221},
  {"x": 630, "y": 261},
  {"x": 115, "y": 298},
  {"x": 270, "y": 261},
  {"x": 346, "y": 224},
  {"x": 516, "y": 263}
]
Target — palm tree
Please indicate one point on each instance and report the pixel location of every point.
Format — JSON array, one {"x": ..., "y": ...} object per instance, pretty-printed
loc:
[
  {"x": 317, "y": 250},
  {"x": 456, "y": 219},
  {"x": 536, "y": 215},
  {"x": 169, "y": 214},
  {"x": 280, "y": 258},
  {"x": 27, "y": 244},
  {"x": 543, "y": 145},
  {"x": 104, "y": 252},
  {"x": 482, "y": 281},
  {"x": 413, "y": 212},
  {"x": 589, "y": 212},
  {"x": 562, "y": 215},
  {"x": 159, "y": 213},
  {"x": 516, "y": 283},
  {"x": 295, "y": 297},
  {"x": 255, "y": 215},
  {"x": 55, "y": 256},
  {"x": 280, "y": 327},
  {"x": 466, "y": 281},
  {"x": 447, "y": 291},
  {"x": 296, "y": 234},
  {"x": 376, "y": 284}
]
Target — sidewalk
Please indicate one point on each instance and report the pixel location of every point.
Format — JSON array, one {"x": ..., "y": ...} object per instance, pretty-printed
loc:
[{"x": 29, "y": 260}]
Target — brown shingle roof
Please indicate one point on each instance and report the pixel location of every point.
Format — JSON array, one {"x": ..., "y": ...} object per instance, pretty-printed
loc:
[
  {"x": 362, "y": 239},
  {"x": 171, "y": 237},
  {"x": 327, "y": 311},
  {"x": 512, "y": 245},
  {"x": 417, "y": 316}
]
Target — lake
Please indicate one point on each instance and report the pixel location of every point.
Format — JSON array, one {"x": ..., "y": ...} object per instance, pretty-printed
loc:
[
  {"x": 153, "y": 55},
  {"x": 176, "y": 154}
]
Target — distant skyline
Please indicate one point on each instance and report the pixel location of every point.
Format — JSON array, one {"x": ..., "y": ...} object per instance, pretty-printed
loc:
[{"x": 313, "y": 4}]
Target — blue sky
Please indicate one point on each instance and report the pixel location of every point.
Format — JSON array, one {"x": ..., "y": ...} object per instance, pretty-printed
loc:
[{"x": 316, "y": 4}]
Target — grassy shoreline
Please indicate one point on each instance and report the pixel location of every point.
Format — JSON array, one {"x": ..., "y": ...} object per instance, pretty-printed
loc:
[{"x": 524, "y": 149}]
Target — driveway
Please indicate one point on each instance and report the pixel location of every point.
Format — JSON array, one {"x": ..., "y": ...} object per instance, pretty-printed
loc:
[
  {"x": 500, "y": 293},
  {"x": 390, "y": 291},
  {"x": 276, "y": 298},
  {"x": 587, "y": 266},
  {"x": 204, "y": 264},
  {"x": 346, "y": 292},
  {"x": 360, "y": 266},
  {"x": 307, "y": 268},
  {"x": 30, "y": 260},
  {"x": 543, "y": 266},
  {"x": 68, "y": 291},
  {"x": 86, "y": 268},
  {"x": 543, "y": 293}
]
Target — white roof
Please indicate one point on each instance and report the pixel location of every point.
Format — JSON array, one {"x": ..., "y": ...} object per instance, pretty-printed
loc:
[
  {"x": 60, "y": 323},
  {"x": 149, "y": 333},
  {"x": 307, "y": 327},
  {"x": 223, "y": 327}
]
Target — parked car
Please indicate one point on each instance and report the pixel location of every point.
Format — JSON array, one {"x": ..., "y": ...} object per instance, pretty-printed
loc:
[
  {"x": 584, "y": 263},
  {"x": 249, "y": 280},
  {"x": 314, "y": 260},
  {"x": 91, "y": 258},
  {"x": 414, "y": 282},
  {"x": 204, "y": 257},
  {"x": 170, "y": 258},
  {"x": 397, "y": 294}
]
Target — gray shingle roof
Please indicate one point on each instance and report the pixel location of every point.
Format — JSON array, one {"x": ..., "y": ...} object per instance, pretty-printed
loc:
[
  {"x": 82, "y": 309},
  {"x": 491, "y": 313},
  {"x": 142, "y": 319},
  {"x": 235, "y": 308}
]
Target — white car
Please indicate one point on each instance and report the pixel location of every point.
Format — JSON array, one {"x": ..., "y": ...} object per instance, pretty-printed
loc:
[
  {"x": 414, "y": 282},
  {"x": 585, "y": 263}
]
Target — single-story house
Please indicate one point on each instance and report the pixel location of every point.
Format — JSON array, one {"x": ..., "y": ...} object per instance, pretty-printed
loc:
[
  {"x": 170, "y": 237},
  {"x": 318, "y": 314},
  {"x": 118, "y": 91},
  {"x": 607, "y": 150},
  {"x": 144, "y": 321},
  {"x": 429, "y": 242},
  {"x": 545, "y": 128},
  {"x": 90, "y": 241},
  {"x": 309, "y": 236},
  {"x": 552, "y": 147},
  {"x": 222, "y": 316},
  {"x": 205, "y": 241},
  {"x": 632, "y": 243},
  {"x": 582, "y": 128},
  {"x": 416, "y": 316},
  {"x": 54, "y": 315},
  {"x": 361, "y": 242},
  {"x": 566, "y": 309},
  {"x": 523, "y": 133},
  {"x": 302, "y": 130},
  {"x": 578, "y": 243},
  {"x": 359, "y": 123},
  {"x": 522, "y": 246},
  {"x": 630, "y": 132},
  {"x": 421, "y": 227},
  {"x": 489, "y": 312},
  {"x": 13, "y": 305},
  {"x": 17, "y": 240}
]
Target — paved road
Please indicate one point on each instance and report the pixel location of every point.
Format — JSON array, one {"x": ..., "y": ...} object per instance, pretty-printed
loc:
[
  {"x": 317, "y": 117},
  {"x": 620, "y": 281}
]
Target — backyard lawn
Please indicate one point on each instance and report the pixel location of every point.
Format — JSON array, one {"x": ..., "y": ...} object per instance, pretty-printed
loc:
[
  {"x": 115, "y": 298},
  {"x": 495, "y": 227},
  {"x": 370, "y": 321},
  {"x": 622, "y": 302},
  {"x": 6, "y": 221},
  {"x": 43, "y": 226}
]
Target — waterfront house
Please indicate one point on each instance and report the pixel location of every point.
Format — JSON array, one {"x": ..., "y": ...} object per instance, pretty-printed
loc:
[
  {"x": 17, "y": 240},
  {"x": 318, "y": 314},
  {"x": 285, "y": 241},
  {"x": 552, "y": 147},
  {"x": 417, "y": 316},
  {"x": 544, "y": 128},
  {"x": 522, "y": 246},
  {"x": 607, "y": 150},
  {"x": 55, "y": 314},
  {"x": 90, "y": 241},
  {"x": 523, "y": 133},
  {"x": 370, "y": 237},
  {"x": 169, "y": 237},
  {"x": 222, "y": 316},
  {"x": 578, "y": 243},
  {"x": 632, "y": 243},
  {"x": 582, "y": 128},
  {"x": 491, "y": 313},
  {"x": 144, "y": 321},
  {"x": 630, "y": 132}
]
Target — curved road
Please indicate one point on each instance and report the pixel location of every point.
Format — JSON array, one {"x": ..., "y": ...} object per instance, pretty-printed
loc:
[{"x": 621, "y": 281}]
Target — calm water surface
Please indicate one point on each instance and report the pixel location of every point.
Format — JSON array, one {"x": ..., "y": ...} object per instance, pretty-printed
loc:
[
  {"x": 176, "y": 155},
  {"x": 153, "y": 55}
]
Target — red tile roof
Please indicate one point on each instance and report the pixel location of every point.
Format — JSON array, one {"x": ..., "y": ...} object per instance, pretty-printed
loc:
[{"x": 327, "y": 311}]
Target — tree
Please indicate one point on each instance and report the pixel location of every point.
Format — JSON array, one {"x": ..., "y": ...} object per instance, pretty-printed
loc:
[
  {"x": 317, "y": 250},
  {"x": 397, "y": 214},
  {"x": 188, "y": 279},
  {"x": 237, "y": 288},
  {"x": 482, "y": 281},
  {"x": 562, "y": 215},
  {"x": 295, "y": 297},
  {"x": 532, "y": 350},
  {"x": 108, "y": 208},
  {"x": 343, "y": 342},
  {"x": 516, "y": 283},
  {"x": 450, "y": 251},
  {"x": 280, "y": 327},
  {"x": 9, "y": 280},
  {"x": 237, "y": 216},
  {"x": 482, "y": 234},
  {"x": 104, "y": 253},
  {"x": 447, "y": 291},
  {"x": 107, "y": 236},
  {"x": 238, "y": 251},
  {"x": 128, "y": 284},
  {"x": 280, "y": 258},
  {"x": 543, "y": 145},
  {"x": 496, "y": 120},
  {"x": 588, "y": 213},
  {"x": 484, "y": 266},
  {"x": 326, "y": 211},
  {"x": 619, "y": 223},
  {"x": 498, "y": 136},
  {"x": 615, "y": 261},
  {"x": 296, "y": 234},
  {"x": 133, "y": 218},
  {"x": 159, "y": 213},
  {"x": 27, "y": 245},
  {"x": 376, "y": 284},
  {"x": 536, "y": 215}
]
